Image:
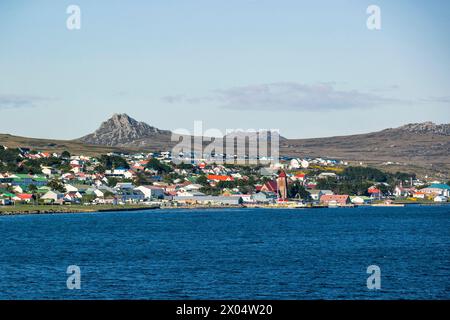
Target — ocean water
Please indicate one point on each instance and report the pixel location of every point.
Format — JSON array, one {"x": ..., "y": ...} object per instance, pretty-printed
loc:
[{"x": 229, "y": 254}]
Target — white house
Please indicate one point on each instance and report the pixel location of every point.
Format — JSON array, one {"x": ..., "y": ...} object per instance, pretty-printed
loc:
[
  {"x": 183, "y": 193},
  {"x": 360, "y": 200},
  {"x": 52, "y": 196},
  {"x": 316, "y": 194},
  {"x": 151, "y": 192},
  {"x": 124, "y": 186},
  {"x": 70, "y": 188},
  {"x": 18, "y": 189}
]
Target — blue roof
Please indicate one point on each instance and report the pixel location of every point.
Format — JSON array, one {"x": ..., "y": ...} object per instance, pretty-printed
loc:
[{"x": 440, "y": 186}]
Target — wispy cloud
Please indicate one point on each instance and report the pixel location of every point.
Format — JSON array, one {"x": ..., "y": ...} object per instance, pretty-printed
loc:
[
  {"x": 11, "y": 101},
  {"x": 290, "y": 96},
  {"x": 174, "y": 98},
  {"x": 442, "y": 99}
]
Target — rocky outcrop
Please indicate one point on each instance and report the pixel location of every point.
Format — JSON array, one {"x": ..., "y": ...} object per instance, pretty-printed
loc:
[
  {"x": 427, "y": 128},
  {"x": 121, "y": 130}
]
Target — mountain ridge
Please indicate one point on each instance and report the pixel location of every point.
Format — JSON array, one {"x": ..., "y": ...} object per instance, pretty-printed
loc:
[
  {"x": 122, "y": 129},
  {"x": 420, "y": 144}
]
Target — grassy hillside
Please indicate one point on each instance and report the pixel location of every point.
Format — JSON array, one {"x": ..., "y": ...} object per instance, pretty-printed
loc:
[{"x": 47, "y": 145}]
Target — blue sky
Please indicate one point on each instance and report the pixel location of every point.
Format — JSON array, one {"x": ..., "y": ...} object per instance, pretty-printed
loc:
[{"x": 308, "y": 68}]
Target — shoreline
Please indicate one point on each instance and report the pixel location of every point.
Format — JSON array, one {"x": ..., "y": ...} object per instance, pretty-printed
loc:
[
  {"x": 67, "y": 209},
  {"x": 45, "y": 209}
]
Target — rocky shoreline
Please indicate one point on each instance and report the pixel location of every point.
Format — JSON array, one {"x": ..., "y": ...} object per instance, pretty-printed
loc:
[{"x": 63, "y": 210}]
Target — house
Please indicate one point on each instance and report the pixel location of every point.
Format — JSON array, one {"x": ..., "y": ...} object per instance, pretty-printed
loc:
[
  {"x": 18, "y": 189},
  {"x": 263, "y": 197},
  {"x": 189, "y": 193},
  {"x": 317, "y": 194},
  {"x": 48, "y": 171},
  {"x": 360, "y": 200},
  {"x": 52, "y": 196},
  {"x": 374, "y": 192},
  {"x": 131, "y": 195},
  {"x": 151, "y": 192},
  {"x": 270, "y": 186},
  {"x": 438, "y": 189},
  {"x": 124, "y": 186},
  {"x": 25, "y": 197},
  {"x": 419, "y": 195},
  {"x": 400, "y": 191},
  {"x": 73, "y": 196},
  {"x": 96, "y": 192},
  {"x": 25, "y": 180},
  {"x": 5, "y": 201},
  {"x": 335, "y": 200}
]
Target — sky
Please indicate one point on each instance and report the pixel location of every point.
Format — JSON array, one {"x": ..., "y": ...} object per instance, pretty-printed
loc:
[{"x": 307, "y": 68}]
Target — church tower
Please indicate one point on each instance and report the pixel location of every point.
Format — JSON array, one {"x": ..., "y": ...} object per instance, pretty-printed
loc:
[{"x": 282, "y": 185}]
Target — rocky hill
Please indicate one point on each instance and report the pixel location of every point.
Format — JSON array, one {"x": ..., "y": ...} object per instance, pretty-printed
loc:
[
  {"x": 425, "y": 128},
  {"x": 123, "y": 131}
]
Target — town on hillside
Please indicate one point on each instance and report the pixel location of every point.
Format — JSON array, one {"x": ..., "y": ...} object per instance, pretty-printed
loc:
[{"x": 30, "y": 178}]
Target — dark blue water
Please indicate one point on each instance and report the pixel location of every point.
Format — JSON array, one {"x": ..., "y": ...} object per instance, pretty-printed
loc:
[{"x": 229, "y": 254}]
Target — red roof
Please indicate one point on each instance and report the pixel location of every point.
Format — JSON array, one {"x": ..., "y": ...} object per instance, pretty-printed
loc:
[
  {"x": 374, "y": 190},
  {"x": 220, "y": 178},
  {"x": 270, "y": 186},
  {"x": 25, "y": 196}
]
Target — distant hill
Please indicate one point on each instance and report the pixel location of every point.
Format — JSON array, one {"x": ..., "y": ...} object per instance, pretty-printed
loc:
[
  {"x": 48, "y": 145},
  {"x": 422, "y": 144},
  {"x": 425, "y": 145},
  {"x": 123, "y": 131}
]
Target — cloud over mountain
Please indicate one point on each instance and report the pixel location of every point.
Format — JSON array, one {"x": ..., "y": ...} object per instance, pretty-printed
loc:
[{"x": 290, "y": 96}]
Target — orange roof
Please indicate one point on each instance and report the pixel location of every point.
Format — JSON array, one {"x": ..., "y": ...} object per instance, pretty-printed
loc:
[
  {"x": 341, "y": 198},
  {"x": 220, "y": 178},
  {"x": 25, "y": 196}
]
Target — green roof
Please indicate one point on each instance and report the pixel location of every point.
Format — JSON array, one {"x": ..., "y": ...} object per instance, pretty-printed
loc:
[
  {"x": 440, "y": 186},
  {"x": 8, "y": 195},
  {"x": 22, "y": 176}
]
